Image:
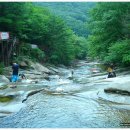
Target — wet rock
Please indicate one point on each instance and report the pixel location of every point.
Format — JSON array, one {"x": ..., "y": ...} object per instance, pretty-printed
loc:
[
  {"x": 4, "y": 79},
  {"x": 6, "y": 98},
  {"x": 62, "y": 66},
  {"x": 58, "y": 89},
  {"x": 52, "y": 77},
  {"x": 35, "y": 72},
  {"x": 53, "y": 70},
  {"x": 13, "y": 86},
  {"x": 40, "y": 68},
  {"x": 28, "y": 81},
  {"x": 30, "y": 93},
  {"x": 3, "y": 87},
  {"x": 11, "y": 108},
  {"x": 23, "y": 65},
  {"x": 4, "y": 114},
  {"x": 95, "y": 70},
  {"x": 70, "y": 78},
  {"x": 34, "y": 77},
  {"x": 117, "y": 91},
  {"x": 46, "y": 77}
]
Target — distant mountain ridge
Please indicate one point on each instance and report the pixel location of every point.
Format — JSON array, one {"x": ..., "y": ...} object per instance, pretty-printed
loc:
[{"x": 75, "y": 14}]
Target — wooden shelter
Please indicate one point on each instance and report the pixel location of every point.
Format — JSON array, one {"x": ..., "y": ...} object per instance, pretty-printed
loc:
[{"x": 7, "y": 49}]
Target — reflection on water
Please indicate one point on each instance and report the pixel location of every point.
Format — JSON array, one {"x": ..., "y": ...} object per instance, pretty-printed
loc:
[{"x": 68, "y": 104}]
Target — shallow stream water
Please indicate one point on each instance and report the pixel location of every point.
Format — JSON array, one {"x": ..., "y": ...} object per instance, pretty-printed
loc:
[{"x": 77, "y": 103}]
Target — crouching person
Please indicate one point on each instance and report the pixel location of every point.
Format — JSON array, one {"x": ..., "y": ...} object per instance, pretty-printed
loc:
[
  {"x": 111, "y": 72},
  {"x": 22, "y": 76}
]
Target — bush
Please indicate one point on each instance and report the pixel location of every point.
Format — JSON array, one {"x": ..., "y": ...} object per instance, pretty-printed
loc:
[
  {"x": 54, "y": 59},
  {"x": 37, "y": 54},
  {"x": 25, "y": 49},
  {"x": 119, "y": 53},
  {"x": 80, "y": 47},
  {"x": 32, "y": 53}
]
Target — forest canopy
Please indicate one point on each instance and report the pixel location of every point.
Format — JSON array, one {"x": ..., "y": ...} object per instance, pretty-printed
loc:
[
  {"x": 98, "y": 30},
  {"x": 110, "y": 32},
  {"x": 75, "y": 14},
  {"x": 33, "y": 24}
]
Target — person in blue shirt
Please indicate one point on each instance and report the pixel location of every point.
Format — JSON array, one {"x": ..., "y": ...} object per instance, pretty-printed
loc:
[{"x": 15, "y": 68}]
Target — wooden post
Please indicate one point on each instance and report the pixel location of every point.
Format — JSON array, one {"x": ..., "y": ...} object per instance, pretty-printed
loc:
[
  {"x": 2, "y": 52},
  {"x": 7, "y": 54}
]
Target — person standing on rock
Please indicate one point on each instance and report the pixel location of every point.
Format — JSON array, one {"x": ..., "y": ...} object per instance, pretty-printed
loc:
[{"x": 15, "y": 68}]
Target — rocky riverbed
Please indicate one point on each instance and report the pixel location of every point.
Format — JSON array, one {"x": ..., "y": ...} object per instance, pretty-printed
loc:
[
  {"x": 38, "y": 78},
  {"x": 51, "y": 97}
]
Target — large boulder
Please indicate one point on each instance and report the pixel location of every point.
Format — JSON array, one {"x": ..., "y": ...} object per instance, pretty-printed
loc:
[
  {"x": 23, "y": 64},
  {"x": 117, "y": 91},
  {"x": 4, "y": 79},
  {"x": 35, "y": 66},
  {"x": 54, "y": 70},
  {"x": 40, "y": 68}
]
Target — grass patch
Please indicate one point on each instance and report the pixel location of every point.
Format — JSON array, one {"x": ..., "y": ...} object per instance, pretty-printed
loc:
[
  {"x": 3, "y": 87},
  {"x": 6, "y": 98}
]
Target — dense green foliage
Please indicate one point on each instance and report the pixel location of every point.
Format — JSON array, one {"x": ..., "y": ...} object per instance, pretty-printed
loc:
[
  {"x": 60, "y": 33},
  {"x": 32, "y": 53},
  {"x": 75, "y": 14},
  {"x": 109, "y": 39},
  {"x": 1, "y": 68},
  {"x": 119, "y": 53},
  {"x": 33, "y": 24},
  {"x": 80, "y": 47},
  {"x": 12, "y": 17}
]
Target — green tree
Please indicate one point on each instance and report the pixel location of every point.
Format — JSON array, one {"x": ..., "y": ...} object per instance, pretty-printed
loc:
[
  {"x": 108, "y": 25},
  {"x": 36, "y": 25},
  {"x": 75, "y": 14},
  {"x": 59, "y": 41},
  {"x": 119, "y": 53},
  {"x": 12, "y": 17},
  {"x": 81, "y": 47}
]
